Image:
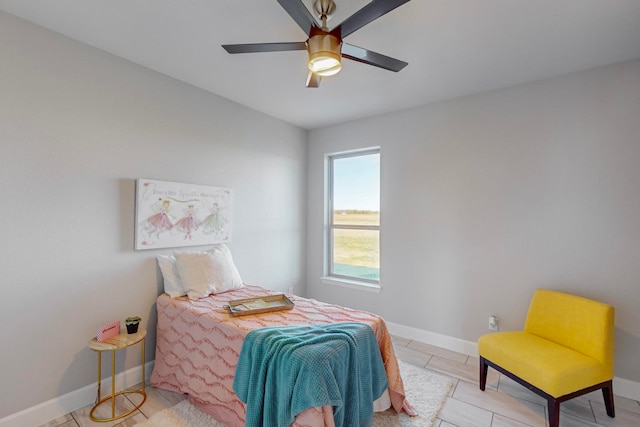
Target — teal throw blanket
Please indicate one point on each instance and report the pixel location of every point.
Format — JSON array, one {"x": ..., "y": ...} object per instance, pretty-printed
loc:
[{"x": 284, "y": 370}]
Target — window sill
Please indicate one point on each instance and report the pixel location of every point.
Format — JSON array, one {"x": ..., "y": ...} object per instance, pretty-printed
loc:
[{"x": 352, "y": 284}]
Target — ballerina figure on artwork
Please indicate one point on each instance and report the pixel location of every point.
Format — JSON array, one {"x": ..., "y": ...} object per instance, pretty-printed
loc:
[
  {"x": 160, "y": 221},
  {"x": 188, "y": 223},
  {"x": 215, "y": 222}
]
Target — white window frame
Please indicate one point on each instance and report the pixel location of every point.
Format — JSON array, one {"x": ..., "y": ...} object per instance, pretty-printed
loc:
[{"x": 330, "y": 277}]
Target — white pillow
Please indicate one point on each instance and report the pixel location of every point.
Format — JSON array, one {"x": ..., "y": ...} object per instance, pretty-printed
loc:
[
  {"x": 199, "y": 272},
  {"x": 172, "y": 283},
  {"x": 206, "y": 273},
  {"x": 230, "y": 276}
]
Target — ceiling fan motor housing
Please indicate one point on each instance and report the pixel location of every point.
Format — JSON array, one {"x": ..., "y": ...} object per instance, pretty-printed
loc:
[{"x": 324, "y": 53}]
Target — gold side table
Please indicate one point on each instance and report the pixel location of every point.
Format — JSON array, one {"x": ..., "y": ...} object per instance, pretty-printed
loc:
[{"x": 113, "y": 344}]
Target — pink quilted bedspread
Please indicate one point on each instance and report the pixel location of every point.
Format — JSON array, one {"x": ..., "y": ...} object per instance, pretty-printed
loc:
[{"x": 199, "y": 342}]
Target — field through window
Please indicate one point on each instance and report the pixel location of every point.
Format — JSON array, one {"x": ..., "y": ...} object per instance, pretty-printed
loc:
[{"x": 356, "y": 251}]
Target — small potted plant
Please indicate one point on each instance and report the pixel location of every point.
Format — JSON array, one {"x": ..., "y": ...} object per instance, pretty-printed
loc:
[{"x": 132, "y": 324}]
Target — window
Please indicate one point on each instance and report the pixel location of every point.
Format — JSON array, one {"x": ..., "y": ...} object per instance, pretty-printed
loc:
[{"x": 353, "y": 232}]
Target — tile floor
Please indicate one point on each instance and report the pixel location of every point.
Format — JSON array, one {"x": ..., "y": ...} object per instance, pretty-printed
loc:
[{"x": 504, "y": 403}]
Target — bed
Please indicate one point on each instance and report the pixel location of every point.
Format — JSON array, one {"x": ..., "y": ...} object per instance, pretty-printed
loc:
[{"x": 199, "y": 343}]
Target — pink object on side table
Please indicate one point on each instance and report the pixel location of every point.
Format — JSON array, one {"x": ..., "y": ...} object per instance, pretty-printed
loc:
[{"x": 107, "y": 331}]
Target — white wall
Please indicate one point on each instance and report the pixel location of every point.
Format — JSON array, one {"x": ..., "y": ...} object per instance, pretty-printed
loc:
[
  {"x": 488, "y": 197},
  {"x": 77, "y": 127}
]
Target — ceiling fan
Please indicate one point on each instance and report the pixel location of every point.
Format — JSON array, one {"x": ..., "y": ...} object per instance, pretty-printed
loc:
[{"x": 326, "y": 47}]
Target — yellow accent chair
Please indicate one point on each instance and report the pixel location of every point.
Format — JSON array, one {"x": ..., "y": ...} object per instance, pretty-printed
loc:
[{"x": 564, "y": 351}]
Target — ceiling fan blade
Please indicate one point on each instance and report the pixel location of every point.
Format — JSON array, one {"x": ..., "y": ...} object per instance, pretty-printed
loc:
[
  {"x": 264, "y": 47},
  {"x": 367, "y": 14},
  {"x": 372, "y": 58},
  {"x": 298, "y": 11},
  {"x": 313, "y": 80}
]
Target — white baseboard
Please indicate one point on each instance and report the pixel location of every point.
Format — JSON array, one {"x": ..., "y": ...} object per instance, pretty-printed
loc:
[
  {"x": 626, "y": 388},
  {"x": 54, "y": 408},
  {"x": 433, "y": 338},
  {"x": 621, "y": 386}
]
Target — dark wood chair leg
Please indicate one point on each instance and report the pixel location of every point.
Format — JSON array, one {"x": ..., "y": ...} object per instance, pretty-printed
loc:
[
  {"x": 607, "y": 393},
  {"x": 483, "y": 373},
  {"x": 554, "y": 412}
]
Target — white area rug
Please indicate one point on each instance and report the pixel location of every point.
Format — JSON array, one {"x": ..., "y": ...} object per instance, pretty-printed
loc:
[{"x": 425, "y": 391}]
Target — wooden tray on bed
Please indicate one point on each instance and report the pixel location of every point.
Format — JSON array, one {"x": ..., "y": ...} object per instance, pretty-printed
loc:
[{"x": 244, "y": 307}]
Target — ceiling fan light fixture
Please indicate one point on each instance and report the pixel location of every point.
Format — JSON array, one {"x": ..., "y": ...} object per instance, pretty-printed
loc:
[{"x": 325, "y": 57}]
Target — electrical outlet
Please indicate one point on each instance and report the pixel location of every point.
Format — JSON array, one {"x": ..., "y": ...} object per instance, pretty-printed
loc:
[{"x": 493, "y": 323}]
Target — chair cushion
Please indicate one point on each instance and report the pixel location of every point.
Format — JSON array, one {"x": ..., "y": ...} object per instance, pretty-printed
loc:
[{"x": 553, "y": 368}]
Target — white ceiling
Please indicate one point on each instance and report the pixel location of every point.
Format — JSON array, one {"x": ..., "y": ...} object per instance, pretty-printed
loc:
[{"x": 453, "y": 47}]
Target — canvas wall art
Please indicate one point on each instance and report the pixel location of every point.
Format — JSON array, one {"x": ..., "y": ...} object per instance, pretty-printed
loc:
[{"x": 171, "y": 214}]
